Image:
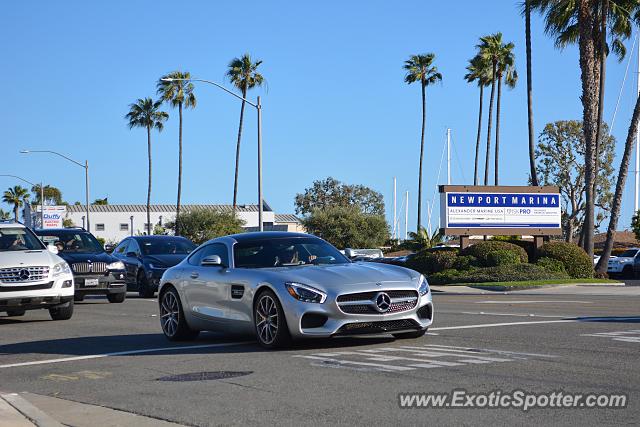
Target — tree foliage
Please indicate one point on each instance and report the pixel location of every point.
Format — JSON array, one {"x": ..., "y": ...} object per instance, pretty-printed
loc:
[
  {"x": 560, "y": 159},
  {"x": 330, "y": 192},
  {"x": 16, "y": 196},
  {"x": 52, "y": 195},
  {"x": 200, "y": 225},
  {"x": 347, "y": 227}
]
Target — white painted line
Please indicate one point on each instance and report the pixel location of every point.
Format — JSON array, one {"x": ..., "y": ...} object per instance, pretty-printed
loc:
[
  {"x": 349, "y": 362},
  {"x": 121, "y": 353},
  {"x": 490, "y": 325},
  {"x": 531, "y": 302},
  {"x": 513, "y": 314},
  {"x": 488, "y": 350}
]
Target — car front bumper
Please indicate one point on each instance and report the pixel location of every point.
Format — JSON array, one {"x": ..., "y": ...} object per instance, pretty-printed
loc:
[
  {"x": 111, "y": 283},
  {"x": 29, "y": 296},
  {"x": 339, "y": 323}
]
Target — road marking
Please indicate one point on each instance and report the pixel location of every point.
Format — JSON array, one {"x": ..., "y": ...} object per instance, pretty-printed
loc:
[
  {"x": 74, "y": 376},
  {"x": 509, "y": 314},
  {"x": 121, "y": 353},
  {"x": 407, "y": 358},
  {"x": 491, "y": 325},
  {"x": 532, "y": 302},
  {"x": 632, "y": 336}
]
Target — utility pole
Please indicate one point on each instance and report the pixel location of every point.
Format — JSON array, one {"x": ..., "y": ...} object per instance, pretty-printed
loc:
[
  {"x": 637, "y": 171},
  {"x": 406, "y": 218},
  {"x": 448, "y": 156},
  {"x": 393, "y": 234}
]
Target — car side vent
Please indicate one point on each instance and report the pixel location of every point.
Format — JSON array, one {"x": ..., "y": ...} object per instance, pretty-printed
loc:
[{"x": 237, "y": 291}]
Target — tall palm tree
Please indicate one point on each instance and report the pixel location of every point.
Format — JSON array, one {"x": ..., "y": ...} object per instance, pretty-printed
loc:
[
  {"x": 145, "y": 113},
  {"x": 4, "y": 215},
  {"x": 176, "y": 89},
  {"x": 527, "y": 33},
  {"x": 478, "y": 70},
  {"x": 243, "y": 74},
  {"x": 507, "y": 69},
  {"x": 420, "y": 68},
  {"x": 16, "y": 196},
  {"x": 586, "y": 22}
]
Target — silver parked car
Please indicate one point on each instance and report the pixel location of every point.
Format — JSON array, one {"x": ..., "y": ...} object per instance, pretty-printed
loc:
[{"x": 289, "y": 285}]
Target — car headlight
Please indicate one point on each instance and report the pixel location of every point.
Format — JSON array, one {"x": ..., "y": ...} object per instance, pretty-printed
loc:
[
  {"x": 423, "y": 285},
  {"x": 60, "y": 269},
  {"x": 157, "y": 266},
  {"x": 118, "y": 265},
  {"x": 305, "y": 293}
]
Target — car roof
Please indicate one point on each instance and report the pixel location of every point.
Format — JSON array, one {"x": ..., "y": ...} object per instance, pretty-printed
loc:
[
  {"x": 156, "y": 237},
  {"x": 60, "y": 230},
  {"x": 266, "y": 235},
  {"x": 11, "y": 224}
]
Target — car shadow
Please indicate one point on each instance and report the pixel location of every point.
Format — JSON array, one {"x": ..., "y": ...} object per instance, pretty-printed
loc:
[
  {"x": 146, "y": 343},
  {"x": 610, "y": 319}
]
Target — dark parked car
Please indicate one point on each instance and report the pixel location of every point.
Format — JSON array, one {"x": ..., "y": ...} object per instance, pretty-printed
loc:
[
  {"x": 147, "y": 257},
  {"x": 95, "y": 272}
]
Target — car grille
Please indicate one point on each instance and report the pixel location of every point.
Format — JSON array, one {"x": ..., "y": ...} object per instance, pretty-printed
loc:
[
  {"x": 377, "y": 327},
  {"x": 89, "y": 267},
  {"x": 5, "y": 288},
  {"x": 364, "y": 302},
  {"x": 23, "y": 274}
]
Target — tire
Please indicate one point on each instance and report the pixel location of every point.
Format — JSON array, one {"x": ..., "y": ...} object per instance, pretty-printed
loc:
[
  {"x": 627, "y": 272},
  {"x": 16, "y": 313},
  {"x": 172, "y": 320},
  {"x": 269, "y": 321},
  {"x": 143, "y": 286},
  {"x": 62, "y": 312},
  {"x": 410, "y": 335},
  {"x": 78, "y": 297},
  {"x": 117, "y": 298}
]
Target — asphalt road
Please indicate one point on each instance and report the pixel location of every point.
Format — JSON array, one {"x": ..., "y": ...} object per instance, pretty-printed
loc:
[{"x": 536, "y": 343}]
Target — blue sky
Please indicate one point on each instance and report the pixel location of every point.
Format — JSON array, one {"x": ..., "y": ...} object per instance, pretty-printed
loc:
[{"x": 336, "y": 103}]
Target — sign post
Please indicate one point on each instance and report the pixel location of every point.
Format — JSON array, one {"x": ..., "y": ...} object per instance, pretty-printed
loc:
[{"x": 467, "y": 210}]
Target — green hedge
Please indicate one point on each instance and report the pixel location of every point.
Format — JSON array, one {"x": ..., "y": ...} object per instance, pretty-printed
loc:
[
  {"x": 575, "y": 260},
  {"x": 503, "y": 273},
  {"x": 482, "y": 250},
  {"x": 502, "y": 257},
  {"x": 429, "y": 262},
  {"x": 551, "y": 264}
]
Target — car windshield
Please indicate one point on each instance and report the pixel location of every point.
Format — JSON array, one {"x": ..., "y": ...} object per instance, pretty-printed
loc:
[
  {"x": 166, "y": 246},
  {"x": 286, "y": 252},
  {"x": 71, "y": 241},
  {"x": 18, "y": 239},
  {"x": 629, "y": 253}
]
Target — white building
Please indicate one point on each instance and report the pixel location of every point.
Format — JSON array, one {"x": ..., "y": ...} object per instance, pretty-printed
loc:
[{"x": 115, "y": 222}]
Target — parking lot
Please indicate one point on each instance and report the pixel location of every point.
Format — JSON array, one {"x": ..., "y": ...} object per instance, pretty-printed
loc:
[{"x": 114, "y": 355}]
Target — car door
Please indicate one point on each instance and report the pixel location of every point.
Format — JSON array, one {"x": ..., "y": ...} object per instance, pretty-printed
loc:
[
  {"x": 132, "y": 261},
  {"x": 205, "y": 287}
]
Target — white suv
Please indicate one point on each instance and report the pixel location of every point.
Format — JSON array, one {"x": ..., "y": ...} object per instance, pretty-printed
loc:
[{"x": 32, "y": 276}]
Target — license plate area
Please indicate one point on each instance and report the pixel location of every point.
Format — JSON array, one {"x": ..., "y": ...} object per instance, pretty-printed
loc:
[{"x": 91, "y": 283}]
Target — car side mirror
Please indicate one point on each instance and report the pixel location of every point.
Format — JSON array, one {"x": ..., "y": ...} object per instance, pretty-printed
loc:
[
  {"x": 53, "y": 249},
  {"x": 212, "y": 261},
  {"x": 350, "y": 253},
  {"x": 132, "y": 255}
]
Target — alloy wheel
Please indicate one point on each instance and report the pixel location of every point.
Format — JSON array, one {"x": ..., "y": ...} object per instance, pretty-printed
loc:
[
  {"x": 169, "y": 314},
  {"x": 267, "y": 319}
]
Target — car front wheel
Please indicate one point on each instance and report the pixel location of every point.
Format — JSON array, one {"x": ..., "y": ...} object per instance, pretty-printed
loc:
[
  {"x": 117, "y": 298},
  {"x": 15, "y": 313},
  {"x": 172, "y": 320},
  {"x": 62, "y": 312},
  {"x": 269, "y": 320},
  {"x": 144, "y": 290}
]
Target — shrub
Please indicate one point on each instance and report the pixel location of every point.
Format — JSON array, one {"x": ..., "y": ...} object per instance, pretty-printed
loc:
[
  {"x": 428, "y": 262},
  {"x": 551, "y": 264},
  {"x": 465, "y": 262},
  {"x": 200, "y": 225},
  {"x": 503, "y": 273},
  {"x": 502, "y": 257},
  {"x": 576, "y": 262},
  {"x": 481, "y": 251},
  {"x": 347, "y": 227}
]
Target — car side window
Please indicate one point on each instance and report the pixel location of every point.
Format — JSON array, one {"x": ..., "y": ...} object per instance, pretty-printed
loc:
[
  {"x": 121, "y": 249},
  {"x": 208, "y": 250},
  {"x": 133, "y": 247}
]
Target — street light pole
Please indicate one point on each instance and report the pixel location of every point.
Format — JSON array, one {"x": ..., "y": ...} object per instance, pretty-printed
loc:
[
  {"x": 41, "y": 196},
  {"x": 258, "y": 107},
  {"x": 86, "y": 171}
]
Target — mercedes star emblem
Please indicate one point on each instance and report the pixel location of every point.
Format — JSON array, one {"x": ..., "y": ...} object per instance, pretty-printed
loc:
[
  {"x": 383, "y": 302},
  {"x": 24, "y": 274}
]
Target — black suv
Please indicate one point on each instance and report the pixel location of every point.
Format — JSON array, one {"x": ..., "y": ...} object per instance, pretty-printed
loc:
[{"x": 95, "y": 272}]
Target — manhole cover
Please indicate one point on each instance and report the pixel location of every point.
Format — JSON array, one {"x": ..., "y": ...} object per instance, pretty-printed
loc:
[{"x": 205, "y": 376}]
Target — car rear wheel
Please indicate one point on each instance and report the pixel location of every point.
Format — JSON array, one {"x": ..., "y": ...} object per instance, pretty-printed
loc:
[
  {"x": 16, "y": 313},
  {"x": 62, "y": 312},
  {"x": 117, "y": 298},
  {"x": 627, "y": 272},
  {"x": 410, "y": 335},
  {"x": 144, "y": 291},
  {"x": 172, "y": 320},
  {"x": 269, "y": 320}
]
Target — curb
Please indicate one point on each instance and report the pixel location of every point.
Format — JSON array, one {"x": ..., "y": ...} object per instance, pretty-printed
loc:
[{"x": 35, "y": 415}]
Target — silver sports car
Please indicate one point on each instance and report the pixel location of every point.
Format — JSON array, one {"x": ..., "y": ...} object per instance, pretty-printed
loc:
[{"x": 289, "y": 285}]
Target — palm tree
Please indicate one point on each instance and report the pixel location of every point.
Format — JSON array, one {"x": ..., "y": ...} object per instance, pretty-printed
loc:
[
  {"x": 145, "y": 113},
  {"x": 586, "y": 22},
  {"x": 420, "y": 68},
  {"x": 507, "y": 69},
  {"x": 480, "y": 71},
  {"x": 4, "y": 215},
  {"x": 243, "y": 74},
  {"x": 527, "y": 33},
  {"x": 176, "y": 89},
  {"x": 16, "y": 196}
]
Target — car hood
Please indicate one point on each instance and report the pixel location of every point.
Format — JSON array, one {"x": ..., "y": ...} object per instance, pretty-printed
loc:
[
  {"x": 168, "y": 260},
  {"x": 28, "y": 258},
  {"x": 87, "y": 257},
  {"x": 339, "y": 276}
]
